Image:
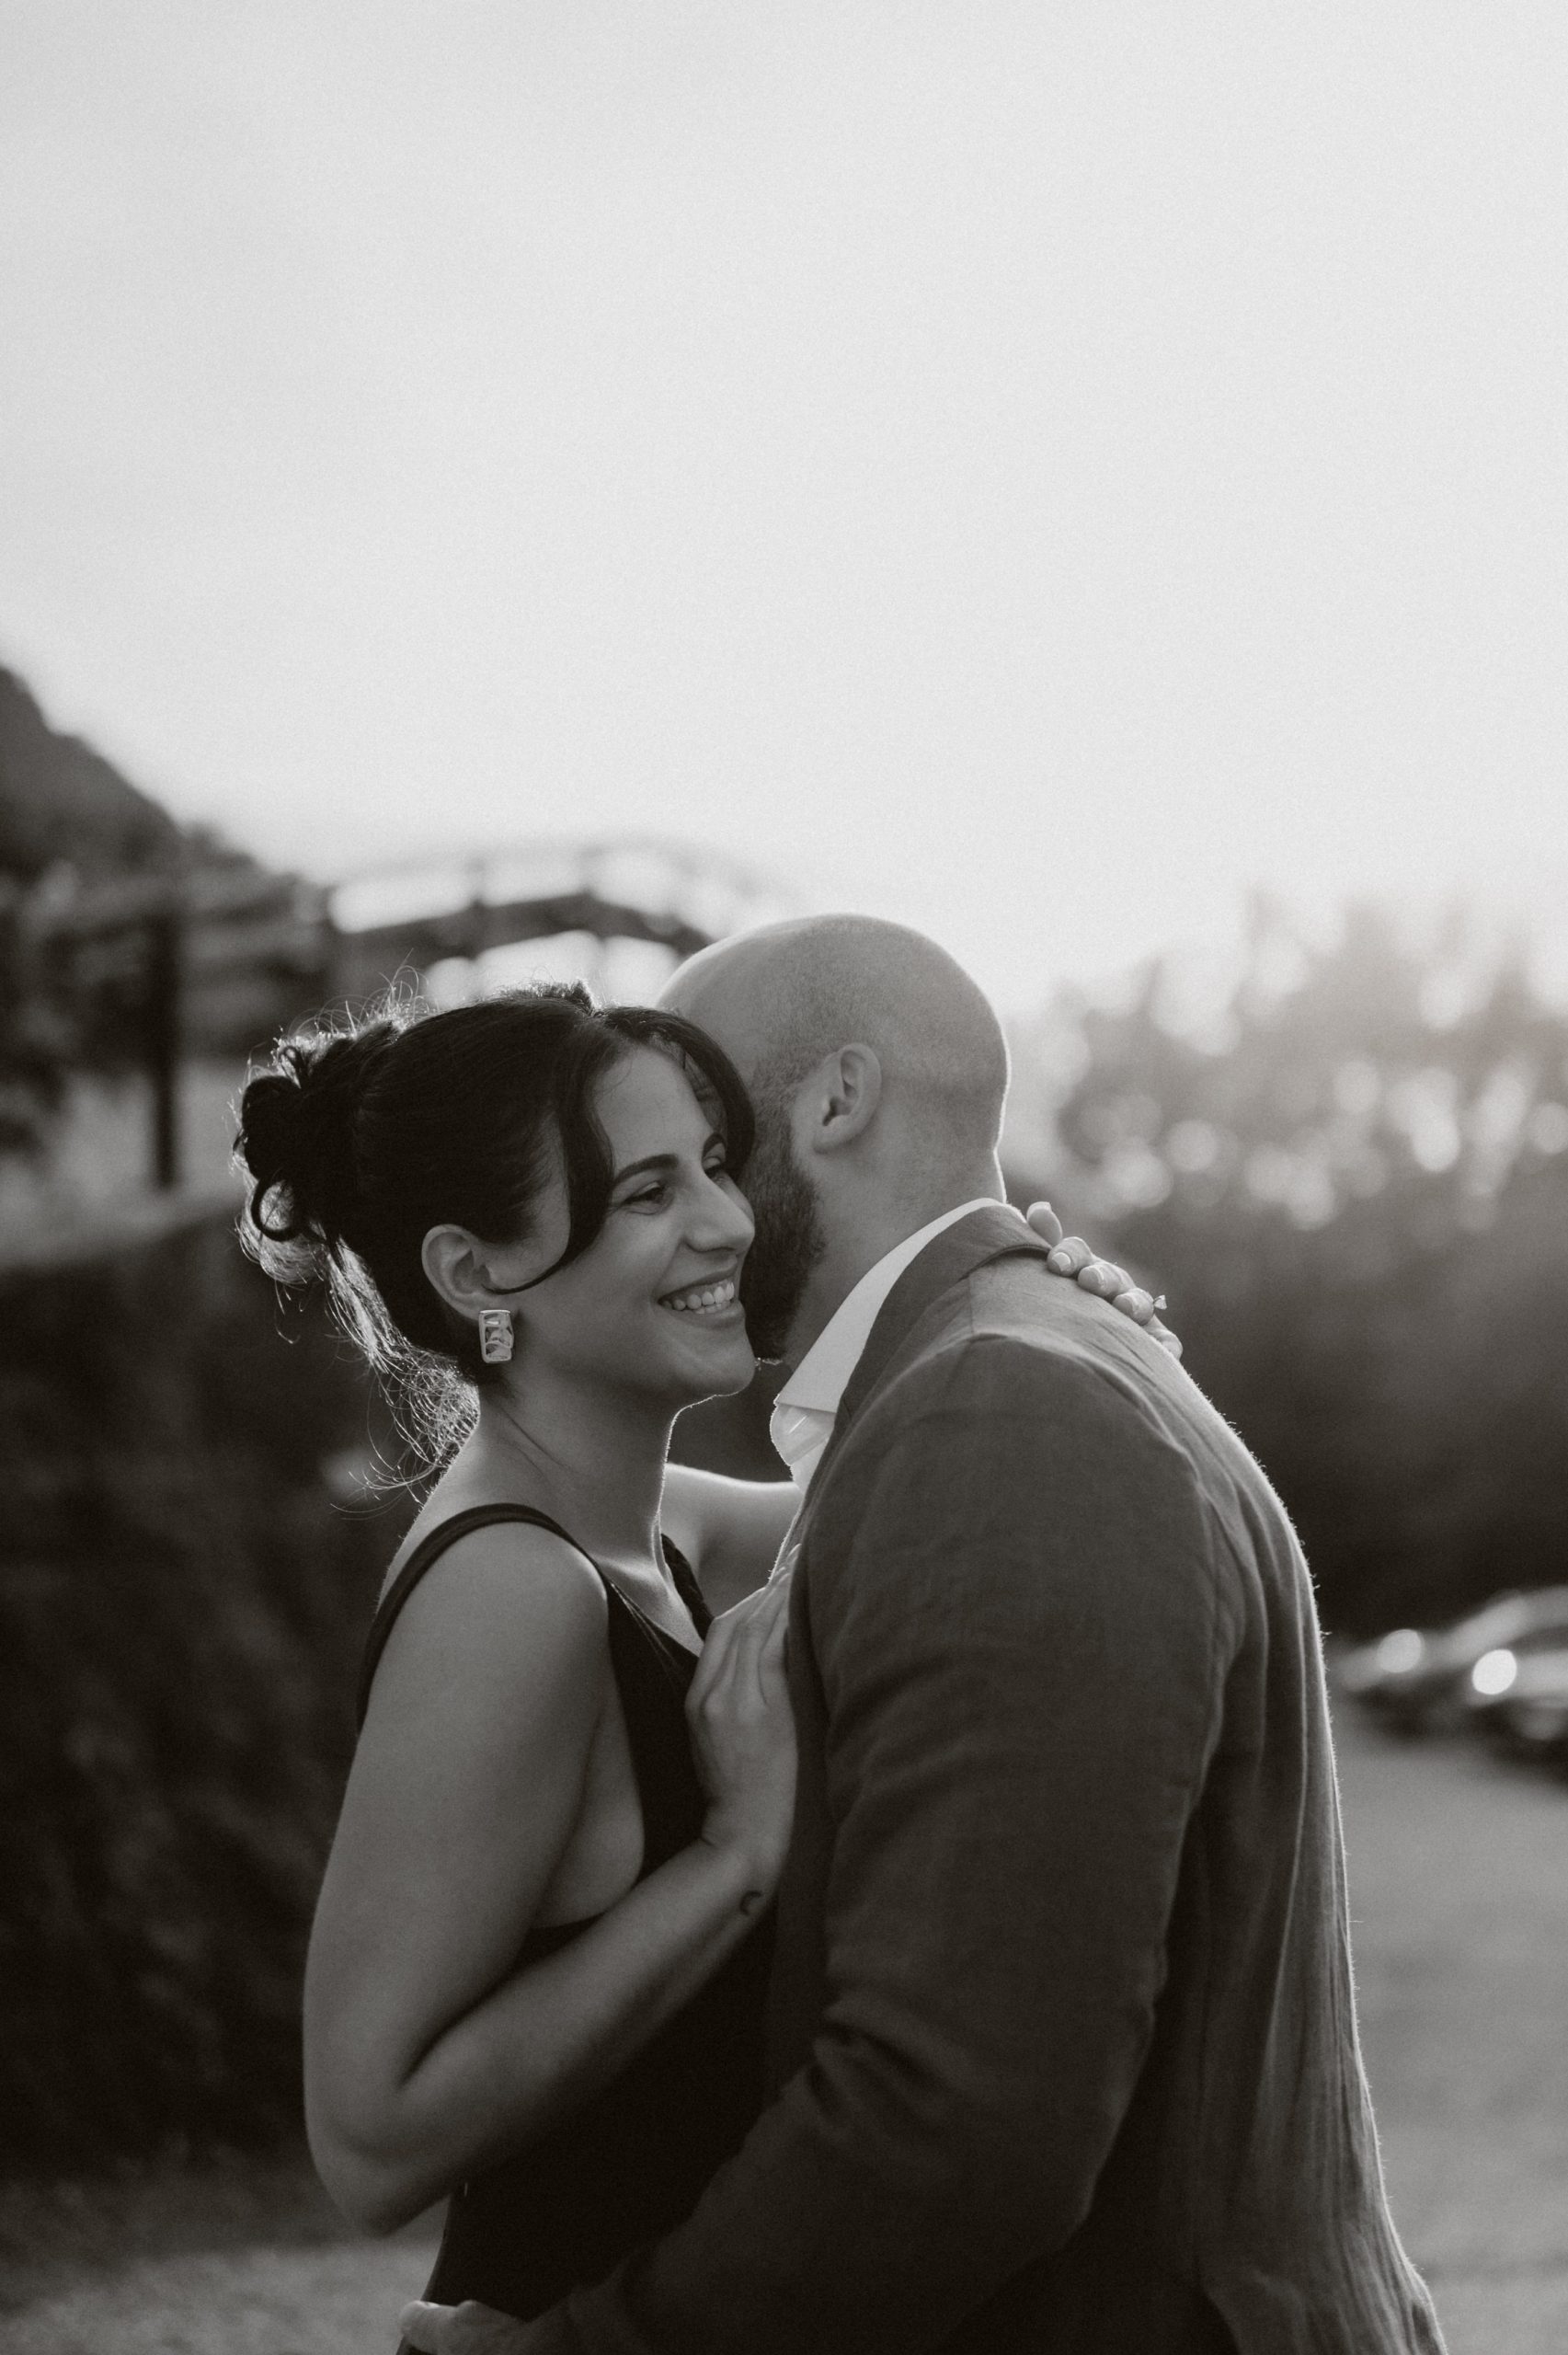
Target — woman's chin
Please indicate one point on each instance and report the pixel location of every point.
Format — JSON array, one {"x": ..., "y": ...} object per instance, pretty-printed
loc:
[{"x": 718, "y": 1373}]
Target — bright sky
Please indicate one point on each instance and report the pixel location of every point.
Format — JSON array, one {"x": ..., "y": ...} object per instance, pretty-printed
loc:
[{"x": 1027, "y": 469}]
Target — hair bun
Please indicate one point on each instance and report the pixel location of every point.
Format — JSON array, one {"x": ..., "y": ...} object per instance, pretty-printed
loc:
[{"x": 296, "y": 1135}]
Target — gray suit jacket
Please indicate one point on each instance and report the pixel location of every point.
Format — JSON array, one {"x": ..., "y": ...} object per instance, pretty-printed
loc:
[{"x": 1062, "y": 2034}]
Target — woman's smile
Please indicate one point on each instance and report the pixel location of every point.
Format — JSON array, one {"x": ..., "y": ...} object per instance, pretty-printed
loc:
[{"x": 714, "y": 1301}]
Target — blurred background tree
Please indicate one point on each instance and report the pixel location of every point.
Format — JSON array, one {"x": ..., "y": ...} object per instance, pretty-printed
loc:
[
  {"x": 68, "y": 818},
  {"x": 188, "y": 1559},
  {"x": 1349, "y": 1164}
]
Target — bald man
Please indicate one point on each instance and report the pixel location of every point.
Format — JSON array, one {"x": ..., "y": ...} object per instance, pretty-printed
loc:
[{"x": 1062, "y": 2041}]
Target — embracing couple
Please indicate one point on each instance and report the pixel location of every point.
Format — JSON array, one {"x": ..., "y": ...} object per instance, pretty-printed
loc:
[{"x": 944, "y": 1945}]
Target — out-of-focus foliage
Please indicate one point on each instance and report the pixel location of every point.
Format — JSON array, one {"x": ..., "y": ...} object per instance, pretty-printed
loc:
[
  {"x": 69, "y": 818},
  {"x": 36, "y": 1040},
  {"x": 181, "y": 1602},
  {"x": 1350, "y": 1170}
]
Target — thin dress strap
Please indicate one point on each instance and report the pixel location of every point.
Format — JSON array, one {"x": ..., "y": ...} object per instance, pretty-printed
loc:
[
  {"x": 447, "y": 1532},
  {"x": 429, "y": 1549},
  {"x": 684, "y": 1581}
]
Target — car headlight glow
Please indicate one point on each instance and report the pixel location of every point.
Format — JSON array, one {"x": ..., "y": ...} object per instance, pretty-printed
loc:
[
  {"x": 1493, "y": 1672},
  {"x": 1401, "y": 1650}
]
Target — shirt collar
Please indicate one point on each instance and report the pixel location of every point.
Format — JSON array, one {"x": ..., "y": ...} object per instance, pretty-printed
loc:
[{"x": 804, "y": 1411}]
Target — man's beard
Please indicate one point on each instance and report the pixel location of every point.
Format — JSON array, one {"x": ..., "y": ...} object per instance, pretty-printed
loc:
[{"x": 789, "y": 1242}]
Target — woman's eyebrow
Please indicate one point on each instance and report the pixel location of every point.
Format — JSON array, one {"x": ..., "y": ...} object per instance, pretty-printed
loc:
[
  {"x": 653, "y": 1161},
  {"x": 659, "y": 1161}
]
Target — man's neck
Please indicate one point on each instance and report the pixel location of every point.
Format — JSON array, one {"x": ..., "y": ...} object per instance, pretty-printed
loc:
[{"x": 857, "y": 1247}]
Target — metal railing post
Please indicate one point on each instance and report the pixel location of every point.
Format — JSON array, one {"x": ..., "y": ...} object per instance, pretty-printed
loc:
[{"x": 160, "y": 1039}]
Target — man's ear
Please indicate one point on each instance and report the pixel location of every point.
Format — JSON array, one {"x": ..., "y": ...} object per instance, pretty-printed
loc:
[{"x": 841, "y": 1098}]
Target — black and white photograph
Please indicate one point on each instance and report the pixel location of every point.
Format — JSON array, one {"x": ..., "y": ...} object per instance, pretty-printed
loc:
[{"x": 784, "y": 1177}]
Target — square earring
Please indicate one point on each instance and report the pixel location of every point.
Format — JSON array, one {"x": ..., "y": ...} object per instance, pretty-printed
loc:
[{"x": 495, "y": 1336}]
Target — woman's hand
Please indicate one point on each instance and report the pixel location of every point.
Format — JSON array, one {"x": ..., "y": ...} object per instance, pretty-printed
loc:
[
  {"x": 742, "y": 1732},
  {"x": 1073, "y": 1256}
]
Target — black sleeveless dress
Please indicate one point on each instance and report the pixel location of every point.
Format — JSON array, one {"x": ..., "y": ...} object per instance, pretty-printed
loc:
[{"x": 629, "y": 2164}]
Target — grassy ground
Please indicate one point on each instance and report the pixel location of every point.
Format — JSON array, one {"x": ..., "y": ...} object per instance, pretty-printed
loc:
[
  {"x": 1459, "y": 1881},
  {"x": 243, "y": 2259}
]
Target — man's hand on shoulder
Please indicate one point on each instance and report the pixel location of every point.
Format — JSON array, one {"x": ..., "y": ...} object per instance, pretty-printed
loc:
[{"x": 1073, "y": 1256}]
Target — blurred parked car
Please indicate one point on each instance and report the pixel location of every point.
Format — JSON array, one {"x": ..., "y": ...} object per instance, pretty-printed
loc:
[
  {"x": 1424, "y": 1681},
  {"x": 1518, "y": 1694}
]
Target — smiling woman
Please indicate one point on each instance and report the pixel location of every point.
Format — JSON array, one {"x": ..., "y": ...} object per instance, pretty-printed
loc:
[
  {"x": 536, "y": 1979},
  {"x": 361, "y": 1144}
]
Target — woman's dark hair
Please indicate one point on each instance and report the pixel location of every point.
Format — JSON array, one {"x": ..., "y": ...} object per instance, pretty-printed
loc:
[{"x": 357, "y": 1138}]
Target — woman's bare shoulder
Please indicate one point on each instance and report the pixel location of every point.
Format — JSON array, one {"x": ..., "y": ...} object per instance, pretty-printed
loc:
[{"x": 502, "y": 1609}]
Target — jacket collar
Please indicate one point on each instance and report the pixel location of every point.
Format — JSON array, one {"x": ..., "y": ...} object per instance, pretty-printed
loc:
[{"x": 994, "y": 1234}]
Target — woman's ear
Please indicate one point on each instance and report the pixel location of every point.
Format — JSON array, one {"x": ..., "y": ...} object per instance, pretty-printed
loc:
[
  {"x": 457, "y": 1266},
  {"x": 845, "y": 1093}
]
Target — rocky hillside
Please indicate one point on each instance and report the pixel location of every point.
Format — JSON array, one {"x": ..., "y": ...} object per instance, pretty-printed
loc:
[{"x": 59, "y": 800}]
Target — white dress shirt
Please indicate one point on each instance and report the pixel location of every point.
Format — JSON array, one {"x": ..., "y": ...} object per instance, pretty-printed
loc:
[{"x": 802, "y": 1414}]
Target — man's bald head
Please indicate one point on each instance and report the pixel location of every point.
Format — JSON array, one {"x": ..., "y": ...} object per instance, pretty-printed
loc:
[
  {"x": 782, "y": 998},
  {"x": 878, "y": 1071}
]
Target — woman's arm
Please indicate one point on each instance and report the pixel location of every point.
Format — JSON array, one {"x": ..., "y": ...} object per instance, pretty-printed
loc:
[
  {"x": 428, "y": 2054},
  {"x": 730, "y": 1530}
]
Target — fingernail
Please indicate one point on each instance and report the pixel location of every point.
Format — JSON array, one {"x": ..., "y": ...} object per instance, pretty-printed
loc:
[{"x": 1059, "y": 1262}]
